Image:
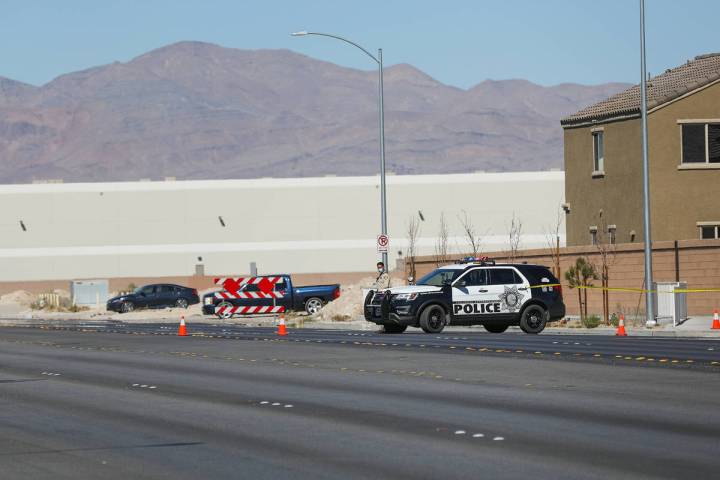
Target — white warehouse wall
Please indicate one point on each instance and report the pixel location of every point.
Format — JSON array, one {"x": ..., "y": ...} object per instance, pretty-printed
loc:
[{"x": 305, "y": 225}]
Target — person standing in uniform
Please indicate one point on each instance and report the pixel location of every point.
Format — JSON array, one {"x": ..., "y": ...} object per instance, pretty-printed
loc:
[{"x": 382, "y": 281}]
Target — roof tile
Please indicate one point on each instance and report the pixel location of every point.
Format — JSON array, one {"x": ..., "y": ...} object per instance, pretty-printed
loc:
[{"x": 668, "y": 86}]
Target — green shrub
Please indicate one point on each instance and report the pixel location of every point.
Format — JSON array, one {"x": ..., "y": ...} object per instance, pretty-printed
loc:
[
  {"x": 591, "y": 321},
  {"x": 37, "y": 305},
  {"x": 76, "y": 308},
  {"x": 64, "y": 305}
]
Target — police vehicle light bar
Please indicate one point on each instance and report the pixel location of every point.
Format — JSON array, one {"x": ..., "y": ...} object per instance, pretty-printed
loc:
[{"x": 483, "y": 260}]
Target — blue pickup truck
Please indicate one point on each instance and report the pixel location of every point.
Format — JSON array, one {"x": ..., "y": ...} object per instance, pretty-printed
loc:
[{"x": 309, "y": 298}]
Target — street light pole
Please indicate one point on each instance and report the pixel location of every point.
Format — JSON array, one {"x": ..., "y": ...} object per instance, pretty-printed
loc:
[
  {"x": 381, "y": 108},
  {"x": 383, "y": 198},
  {"x": 649, "y": 307}
]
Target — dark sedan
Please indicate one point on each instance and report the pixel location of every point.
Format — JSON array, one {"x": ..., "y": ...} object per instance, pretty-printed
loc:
[{"x": 154, "y": 296}]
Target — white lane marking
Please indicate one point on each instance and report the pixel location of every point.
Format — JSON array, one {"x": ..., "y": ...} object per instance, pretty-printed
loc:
[
  {"x": 459, "y": 432},
  {"x": 288, "y": 406},
  {"x": 152, "y": 386},
  {"x": 478, "y": 435},
  {"x": 275, "y": 404},
  {"x": 498, "y": 439},
  {"x": 264, "y": 402},
  {"x": 135, "y": 384},
  {"x": 143, "y": 386}
]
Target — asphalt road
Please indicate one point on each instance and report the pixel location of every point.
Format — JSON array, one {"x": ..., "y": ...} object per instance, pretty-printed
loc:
[
  {"x": 243, "y": 403},
  {"x": 686, "y": 352}
]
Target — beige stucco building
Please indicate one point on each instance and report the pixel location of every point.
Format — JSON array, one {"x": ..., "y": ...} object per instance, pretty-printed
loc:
[{"x": 603, "y": 160}]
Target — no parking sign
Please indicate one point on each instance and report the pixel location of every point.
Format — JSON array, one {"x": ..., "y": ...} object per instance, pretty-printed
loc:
[{"x": 383, "y": 243}]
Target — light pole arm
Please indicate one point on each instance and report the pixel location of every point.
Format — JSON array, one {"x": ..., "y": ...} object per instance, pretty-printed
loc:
[
  {"x": 379, "y": 61},
  {"x": 342, "y": 39}
]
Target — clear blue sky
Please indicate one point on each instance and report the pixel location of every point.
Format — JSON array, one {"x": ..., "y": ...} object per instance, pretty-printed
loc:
[{"x": 459, "y": 42}]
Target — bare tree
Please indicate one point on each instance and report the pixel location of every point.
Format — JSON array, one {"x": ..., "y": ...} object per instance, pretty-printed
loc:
[
  {"x": 514, "y": 234},
  {"x": 552, "y": 238},
  {"x": 605, "y": 244},
  {"x": 441, "y": 243},
  {"x": 474, "y": 239},
  {"x": 413, "y": 230}
]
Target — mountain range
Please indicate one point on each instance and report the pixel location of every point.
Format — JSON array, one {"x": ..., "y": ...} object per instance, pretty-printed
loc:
[{"x": 194, "y": 110}]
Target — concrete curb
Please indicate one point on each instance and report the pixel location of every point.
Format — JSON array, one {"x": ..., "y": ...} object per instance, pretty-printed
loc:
[{"x": 632, "y": 332}]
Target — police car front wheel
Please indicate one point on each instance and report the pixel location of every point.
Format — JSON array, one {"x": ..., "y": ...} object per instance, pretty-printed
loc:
[
  {"x": 533, "y": 319},
  {"x": 432, "y": 319}
]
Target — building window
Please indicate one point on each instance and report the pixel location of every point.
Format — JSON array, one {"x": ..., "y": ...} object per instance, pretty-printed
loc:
[
  {"x": 611, "y": 234},
  {"x": 709, "y": 231},
  {"x": 598, "y": 153},
  {"x": 593, "y": 236},
  {"x": 700, "y": 143}
]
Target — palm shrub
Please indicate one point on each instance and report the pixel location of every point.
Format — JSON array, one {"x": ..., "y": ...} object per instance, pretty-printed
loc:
[{"x": 580, "y": 276}]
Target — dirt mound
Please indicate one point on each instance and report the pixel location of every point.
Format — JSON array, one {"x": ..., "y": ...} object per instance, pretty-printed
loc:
[
  {"x": 18, "y": 297},
  {"x": 350, "y": 304},
  {"x": 56, "y": 301}
]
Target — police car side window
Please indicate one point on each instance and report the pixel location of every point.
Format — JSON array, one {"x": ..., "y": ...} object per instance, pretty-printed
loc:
[
  {"x": 504, "y": 276},
  {"x": 474, "y": 278}
]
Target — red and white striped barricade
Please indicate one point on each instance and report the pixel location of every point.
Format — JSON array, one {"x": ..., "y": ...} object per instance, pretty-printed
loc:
[{"x": 234, "y": 288}]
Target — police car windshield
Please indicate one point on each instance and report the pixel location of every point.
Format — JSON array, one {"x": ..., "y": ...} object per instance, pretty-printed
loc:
[{"x": 438, "y": 277}]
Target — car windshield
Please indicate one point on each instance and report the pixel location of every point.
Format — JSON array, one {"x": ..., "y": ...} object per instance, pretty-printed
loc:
[{"x": 438, "y": 277}]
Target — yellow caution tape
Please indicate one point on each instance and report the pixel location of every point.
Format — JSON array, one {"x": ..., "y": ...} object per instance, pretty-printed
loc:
[
  {"x": 615, "y": 289},
  {"x": 695, "y": 290},
  {"x": 629, "y": 289}
]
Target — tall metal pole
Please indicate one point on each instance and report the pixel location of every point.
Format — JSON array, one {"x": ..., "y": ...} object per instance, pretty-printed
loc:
[
  {"x": 383, "y": 204},
  {"x": 649, "y": 307},
  {"x": 379, "y": 61}
]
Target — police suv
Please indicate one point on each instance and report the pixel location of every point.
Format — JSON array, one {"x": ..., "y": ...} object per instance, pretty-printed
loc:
[{"x": 471, "y": 292}]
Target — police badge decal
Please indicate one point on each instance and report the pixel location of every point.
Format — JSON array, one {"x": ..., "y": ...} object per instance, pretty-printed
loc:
[{"x": 511, "y": 298}]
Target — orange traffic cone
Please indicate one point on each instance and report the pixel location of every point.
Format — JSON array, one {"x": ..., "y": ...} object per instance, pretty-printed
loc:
[
  {"x": 621, "y": 327},
  {"x": 182, "y": 331},
  {"x": 716, "y": 321},
  {"x": 282, "y": 331}
]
